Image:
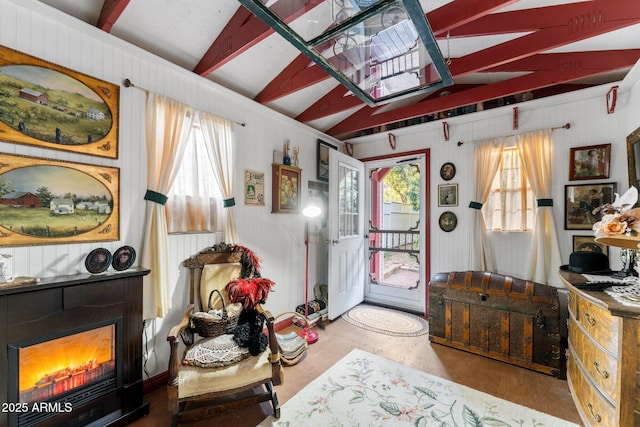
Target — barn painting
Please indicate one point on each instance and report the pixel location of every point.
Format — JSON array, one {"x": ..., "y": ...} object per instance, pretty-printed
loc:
[{"x": 45, "y": 201}]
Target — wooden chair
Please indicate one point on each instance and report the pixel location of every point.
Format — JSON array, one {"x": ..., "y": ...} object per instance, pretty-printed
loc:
[{"x": 196, "y": 392}]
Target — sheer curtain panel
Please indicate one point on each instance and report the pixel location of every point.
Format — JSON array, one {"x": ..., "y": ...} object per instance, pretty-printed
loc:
[
  {"x": 543, "y": 259},
  {"x": 167, "y": 127}
]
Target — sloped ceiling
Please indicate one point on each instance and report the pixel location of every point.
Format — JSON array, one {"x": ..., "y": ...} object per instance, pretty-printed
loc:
[{"x": 498, "y": 51}]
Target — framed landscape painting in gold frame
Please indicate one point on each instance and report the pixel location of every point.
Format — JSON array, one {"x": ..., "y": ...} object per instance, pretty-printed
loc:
[
  {"x": 47, "y": 105},
  {"x": 44, "y": 201}
]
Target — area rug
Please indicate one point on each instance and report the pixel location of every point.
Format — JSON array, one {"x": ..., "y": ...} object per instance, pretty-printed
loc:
[
  {"x": 386, "y": 321},
  {"x": 363, "y": 389}
]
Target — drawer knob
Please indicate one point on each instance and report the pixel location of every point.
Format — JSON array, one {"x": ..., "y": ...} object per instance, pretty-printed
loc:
[
  {"x": 590, "y": 319},
  {"x": 603, "y": 374},
  {"x": 595, "y": 416}
]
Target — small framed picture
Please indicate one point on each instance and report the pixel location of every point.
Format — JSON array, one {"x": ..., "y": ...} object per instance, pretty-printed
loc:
[
  {"x": 448, "y": 171},
  {"x": 581, "y": 202},
  {"x": 589, "y": 162},
  {"x": 448, "y": 195},
  {"x": 322, "y": 168},
  {"x": 588, "y": 243},
  {"x": 448, "y": 221}
]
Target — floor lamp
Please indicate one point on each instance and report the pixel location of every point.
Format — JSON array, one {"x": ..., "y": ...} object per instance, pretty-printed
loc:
[{"x": 311, "y": 209}]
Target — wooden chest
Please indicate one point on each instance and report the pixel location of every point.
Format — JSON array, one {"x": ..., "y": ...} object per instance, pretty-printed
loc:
[{"x": 502, "y": 317}]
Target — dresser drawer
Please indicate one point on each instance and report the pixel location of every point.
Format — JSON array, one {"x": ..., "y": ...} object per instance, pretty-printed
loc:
[
  {"x": 593, "y": 407},
  {"x": 597, "y": 322},
  {"x": 602, "y": 368}
]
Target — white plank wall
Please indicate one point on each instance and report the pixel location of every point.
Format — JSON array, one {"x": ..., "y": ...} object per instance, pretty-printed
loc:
[{"x": 35, "y": 29}]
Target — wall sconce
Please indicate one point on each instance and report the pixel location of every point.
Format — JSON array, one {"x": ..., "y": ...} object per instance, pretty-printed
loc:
[{"x": 612, "y": 97}]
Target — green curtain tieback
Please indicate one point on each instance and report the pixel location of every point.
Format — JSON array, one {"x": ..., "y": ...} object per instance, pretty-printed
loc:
[
  {"x": 475, "y": 205},
  {"x": 154, "y": 196},
  {"x": 545, "y": 202},
  {"x": 229, "y": 202}
]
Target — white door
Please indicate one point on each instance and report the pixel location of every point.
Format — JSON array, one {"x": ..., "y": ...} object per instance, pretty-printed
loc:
[
  {"x": 347, "y": 255},
  {"x": 397, "y": 266}
]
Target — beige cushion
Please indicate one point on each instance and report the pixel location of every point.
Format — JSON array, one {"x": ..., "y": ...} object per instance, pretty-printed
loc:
[
  {"x": 193, "y": 381},
  {"x": 216, "y": 276}
]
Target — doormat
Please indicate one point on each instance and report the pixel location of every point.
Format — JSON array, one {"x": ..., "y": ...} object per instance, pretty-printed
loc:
[{"x": 386, "y": 321}]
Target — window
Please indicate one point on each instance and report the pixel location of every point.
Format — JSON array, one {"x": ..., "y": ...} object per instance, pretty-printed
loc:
[
  {"x": 195, "y": 202},
  {"x": 510, "y": 206}
]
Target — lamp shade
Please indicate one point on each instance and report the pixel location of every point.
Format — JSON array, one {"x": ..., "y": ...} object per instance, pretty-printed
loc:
[{"x": 312, "y": 207}]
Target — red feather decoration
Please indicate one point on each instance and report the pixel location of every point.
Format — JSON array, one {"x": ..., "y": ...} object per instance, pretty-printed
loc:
[
  {"x": 250, "y": 260},
  {"x": 249, "y": 292}
]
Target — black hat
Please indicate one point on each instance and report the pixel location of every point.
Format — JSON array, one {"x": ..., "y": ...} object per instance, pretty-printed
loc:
[{"x": 588, "y": 262}]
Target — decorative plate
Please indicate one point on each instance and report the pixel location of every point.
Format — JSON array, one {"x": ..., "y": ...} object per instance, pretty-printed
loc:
[
  {"x": 448, "y": 171},
  {"x": 123, "y": 258},
  {"x": 448, "y": 221},
  {"x": 98, "y": 260}
]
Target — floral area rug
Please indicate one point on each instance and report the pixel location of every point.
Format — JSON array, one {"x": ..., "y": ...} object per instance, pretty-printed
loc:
[
  {"x": 386, "y": 321},
  {"x": 364, "y": 390}
]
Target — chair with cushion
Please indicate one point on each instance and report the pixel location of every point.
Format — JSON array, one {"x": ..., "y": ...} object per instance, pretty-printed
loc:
[{"x": 215, "y": 374}]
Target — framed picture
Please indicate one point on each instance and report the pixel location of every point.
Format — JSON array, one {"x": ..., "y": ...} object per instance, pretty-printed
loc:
[
  {"x": 589, "y": 162},
  {"x": 581, "y": 202},
  {"x": 448, "y": 221},
  {"x": 588, "y": 243},
  {"x": 322, "y": 168},
  {"x": 448, "y": 195},
  {"x": 45, "y": 201},
  {"x": 50, "y": 106},
  {"x": 447, "y": 171},
  {"x": 253, "y": 188},
  {"x": 285, "y": 189}
]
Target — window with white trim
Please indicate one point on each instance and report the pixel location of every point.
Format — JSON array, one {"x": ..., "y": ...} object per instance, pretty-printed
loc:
[{"x": 511, "y": 203}]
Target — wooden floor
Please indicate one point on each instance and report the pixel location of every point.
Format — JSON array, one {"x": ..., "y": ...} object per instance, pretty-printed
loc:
[{"x": 528, "y": 388}]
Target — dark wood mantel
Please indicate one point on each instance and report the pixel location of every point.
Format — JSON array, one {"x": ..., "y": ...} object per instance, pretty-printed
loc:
[{"x": 68, "y": 302}]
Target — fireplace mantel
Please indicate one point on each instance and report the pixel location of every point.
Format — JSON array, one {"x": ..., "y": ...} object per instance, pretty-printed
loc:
[{"x": 66, "y": 303}]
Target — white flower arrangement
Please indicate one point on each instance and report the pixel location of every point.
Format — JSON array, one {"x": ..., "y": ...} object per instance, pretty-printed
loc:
[{"x": 619, "y": 218}]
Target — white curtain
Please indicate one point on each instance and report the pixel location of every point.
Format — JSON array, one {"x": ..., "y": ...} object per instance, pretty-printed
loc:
[
  {"x": 487, "y": 156},
  {"x": 219, "y": 136},
  {"x": 543, "y": 260},
  {"x": 167, "y": 128}
]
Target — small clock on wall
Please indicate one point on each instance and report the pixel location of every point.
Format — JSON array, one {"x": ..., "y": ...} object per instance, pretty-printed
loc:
[{"x": 448, "y": 171}]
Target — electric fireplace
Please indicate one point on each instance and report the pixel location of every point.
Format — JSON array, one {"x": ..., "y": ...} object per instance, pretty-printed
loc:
[
  {"x": 71, "y": 351},
  {"x": 50, "y": 375}
]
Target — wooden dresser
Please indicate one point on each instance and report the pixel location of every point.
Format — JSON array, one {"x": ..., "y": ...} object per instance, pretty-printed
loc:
[{"x": 603, "y": 358}]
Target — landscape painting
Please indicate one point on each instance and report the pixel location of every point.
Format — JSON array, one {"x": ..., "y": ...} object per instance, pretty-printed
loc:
[
  {"x": 46, "y": 201},
  {"x": 47, "y": 105}
]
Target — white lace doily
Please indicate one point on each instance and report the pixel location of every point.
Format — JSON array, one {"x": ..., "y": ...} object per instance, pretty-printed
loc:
[{"x": 627, "y": 295}]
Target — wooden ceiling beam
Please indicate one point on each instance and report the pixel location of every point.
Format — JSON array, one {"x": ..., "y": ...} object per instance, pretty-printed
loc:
[
  {"x": 366, "y": 117},
  {"x": 335, "y": 102},
  {"x": 299, "y": 74},
  {"x": 111, "y": 11},
  {"x": 245, "y": 30}
]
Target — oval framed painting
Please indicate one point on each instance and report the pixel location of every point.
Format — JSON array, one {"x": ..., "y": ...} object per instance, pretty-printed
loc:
[
  {"x": 447, "y": 171},
  {"x": 98, "y": 261},
  {"x": 50, "y": 106},
  {"x": 45, "y": 201}
]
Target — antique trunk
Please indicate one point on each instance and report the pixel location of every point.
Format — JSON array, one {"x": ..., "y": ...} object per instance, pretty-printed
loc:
[{"x": 502, "y": 317}]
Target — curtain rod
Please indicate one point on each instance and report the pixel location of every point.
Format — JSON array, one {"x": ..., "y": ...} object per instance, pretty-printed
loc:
[
  {"x": 566, "y": 126},
  {"x": 129, "y": 83}
]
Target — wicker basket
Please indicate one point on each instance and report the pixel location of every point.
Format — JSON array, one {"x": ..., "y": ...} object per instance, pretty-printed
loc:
[
  {"x": 293, "y": 350},
  {"x": 208, "y": 325}
]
